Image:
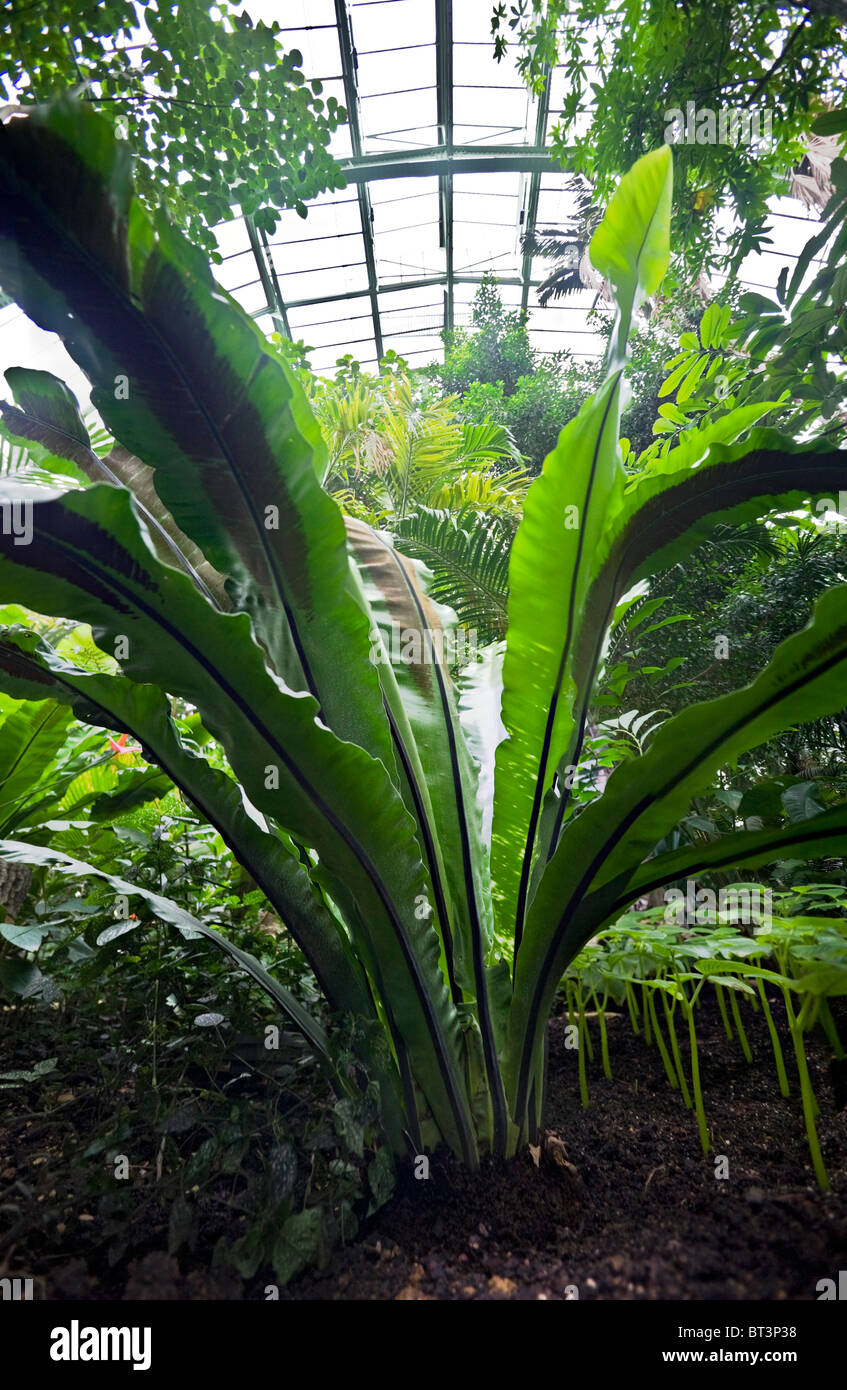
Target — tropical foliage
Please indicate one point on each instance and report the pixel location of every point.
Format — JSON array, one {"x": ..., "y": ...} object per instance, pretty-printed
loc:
[
  {"x": 350, "y": 792},
  {"x": 498, "y": 375},
  {"x": 450, "y": 489},
  {"x": 195, "y": 100},
  {"x": 629, "y": 68}
]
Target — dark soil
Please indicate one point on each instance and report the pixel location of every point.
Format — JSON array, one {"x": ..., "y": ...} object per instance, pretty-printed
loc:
[{"x": 621, "y": 1203}]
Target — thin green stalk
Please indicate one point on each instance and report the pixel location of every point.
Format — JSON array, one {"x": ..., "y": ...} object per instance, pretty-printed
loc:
[
  {"x": 828, "y": 1025},
  {"x": 673, "y": 1080},
  {"x": 804, "y": 1024},
  {"x": 645, "y": 991},
  {"x": 570, "y": 1001},
  {"x": 809, "y": 1102},
  {"x": 705, "y": 1142},
  {"x": 724, "y": 1015},
  {"x": 785, "y": 1089},
  {"x": 604, "y": 1040},
  {"x": 583, "y": 1079},
  {"x": 739, "y": 1026},
  {"x": 633, "y": 1008},
  {"x": 536, "y": 1099},
  {"x": 583, "y": 1022},
  {"x": 680, "y": 1071}
]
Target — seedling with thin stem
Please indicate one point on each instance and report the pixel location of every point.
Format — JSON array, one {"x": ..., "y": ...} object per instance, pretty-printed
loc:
[{"x": 810, "y": 1105}]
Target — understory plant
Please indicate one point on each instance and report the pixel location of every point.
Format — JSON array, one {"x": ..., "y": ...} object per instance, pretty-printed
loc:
[
  {"x": 352, "y": 793},
  {"x": 657, "y": 970}
]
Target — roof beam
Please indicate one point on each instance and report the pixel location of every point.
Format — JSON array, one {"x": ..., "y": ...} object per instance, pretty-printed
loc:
[
  {"x": 444, "y": 93},
  {"x": 541, "y": 114},
  {"x": 423, "y": 282},
  {"x": 267, "y": 274},
  {"x": 349, "y": 67},
  {"x": 433, "y": 162}
]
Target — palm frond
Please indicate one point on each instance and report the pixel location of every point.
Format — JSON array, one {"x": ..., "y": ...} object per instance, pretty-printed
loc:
[
  {"x": 499, "y": 494},
  {"x": 749, "y": 538},
  {"x": 566, "y": 245},
  {"x": 468, "y": 554}
]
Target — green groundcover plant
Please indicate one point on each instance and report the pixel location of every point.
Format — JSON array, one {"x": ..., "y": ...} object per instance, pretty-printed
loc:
[
  {"x": 666, "y": 964},
  {"x": 353, "y": 797}
]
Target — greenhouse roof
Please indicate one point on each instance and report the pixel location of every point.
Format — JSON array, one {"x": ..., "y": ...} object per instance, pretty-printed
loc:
[
  {"x": 446, "y": 157},
  {"x": 447, "y": 161}
]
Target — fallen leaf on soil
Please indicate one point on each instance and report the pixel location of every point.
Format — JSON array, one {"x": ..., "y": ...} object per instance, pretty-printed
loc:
[{"x": 555, "y": 1149}]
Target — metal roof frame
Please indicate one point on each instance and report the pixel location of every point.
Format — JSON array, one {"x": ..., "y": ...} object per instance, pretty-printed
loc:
[
  {"x": 438, "y": 160},
  {"x": 444, "y": 97},
  {"x": 349, "y": 68},
  {"x": 531, "y": 211},
  {"x": 442, "y": 161}
]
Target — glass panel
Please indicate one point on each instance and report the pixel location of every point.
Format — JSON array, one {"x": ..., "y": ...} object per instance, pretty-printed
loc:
[
  {"x": 236, "y": 271},
  {"x": 491, "y": 103},
  {"x": 406, "y": 229},
  {"x": 313, "y": 318},
  {"x": 338, "y": 330},
  {"x": 488, "y": 239},
  {"x": 232, "y": 237},
  {"x": 325, "y": 363},
  {"x": 413, "y": 320},
  {"x": 408, "y": 343},
  {"x": 392, "y": 23}
]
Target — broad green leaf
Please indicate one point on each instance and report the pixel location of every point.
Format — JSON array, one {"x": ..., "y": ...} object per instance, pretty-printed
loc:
[
  {"x": 297, "y": 1244},
  {"x": 631, "y": 247},
  {"x": 87, "y": 557},
  {"x": 445, "y": 795},
  {"x": 671, "y": 510},
  {"x": 647, "y": 796},
  {"x": 47, "y": 413},
  {"x": 408, "y": 646},
  {"x": 830, "y": 123},
  {"x": 24, "y": 935},
  {"x": 671, "y": 382},
  {"x": 186, "y": 382},
  {"x": 135, "y": 788},
  {"x": 550, "y": 572},
  {"x": 553, "y": 560},
  {"x": 28, "y": 665},
  {"x": 30, "y": 739},
  {"x": 820, "y": 836}
]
